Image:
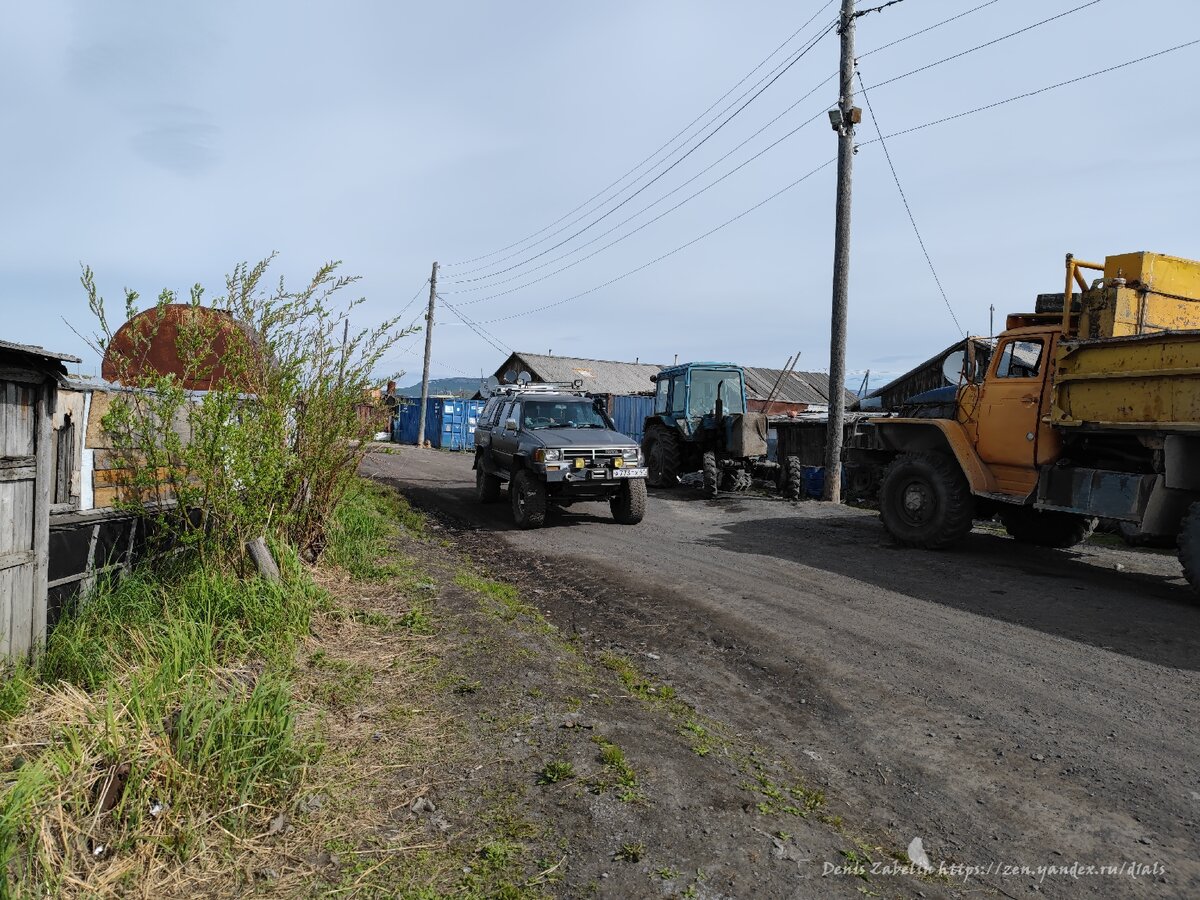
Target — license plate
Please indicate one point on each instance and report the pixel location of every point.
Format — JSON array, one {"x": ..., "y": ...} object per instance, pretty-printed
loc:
[{"x": 630, "y": 473}]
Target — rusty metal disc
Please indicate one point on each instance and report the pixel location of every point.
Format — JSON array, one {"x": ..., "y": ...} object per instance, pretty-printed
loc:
[{"x": 153, "y": 343}]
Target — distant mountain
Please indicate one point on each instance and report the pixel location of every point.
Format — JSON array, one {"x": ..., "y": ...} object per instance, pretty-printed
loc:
[{"x": 452, "y": 386}]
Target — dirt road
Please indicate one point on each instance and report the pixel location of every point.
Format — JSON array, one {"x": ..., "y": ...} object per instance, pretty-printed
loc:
[{"x": 1009, "y": 705}]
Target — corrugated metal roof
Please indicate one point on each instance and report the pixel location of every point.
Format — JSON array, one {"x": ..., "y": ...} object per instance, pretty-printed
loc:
[
  {"x": 42, "y": 352},
  {"x": 796, "y": 387},
  {"x": 600, "y": 376},
  {"x": 603, "y": 376}
]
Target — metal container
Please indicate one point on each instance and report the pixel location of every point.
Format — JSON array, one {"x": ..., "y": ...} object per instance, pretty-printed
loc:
[
  {"x": 629, "y": 413},
  {"x": 449, "y": 422}
]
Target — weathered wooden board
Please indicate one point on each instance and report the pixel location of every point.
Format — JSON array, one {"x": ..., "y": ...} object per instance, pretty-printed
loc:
[{"x": 21, "y": 508}]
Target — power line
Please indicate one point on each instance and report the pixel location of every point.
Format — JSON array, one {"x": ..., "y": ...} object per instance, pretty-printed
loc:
[
  {"x": 672, "y": 140},
  {"x": 908, "y": 209},
  {"x": 928, "y": 28},
  {"x": 879, "y": 139},
  {"x": 658, "y": 259},
  {"x": 648, "y": 223},
  {"x": 987, "y": 44},
  {"x": 487, "y": 337},
  {"x": 779, "y": 74},
  {"x": 1042, "y": 90},
  {"x": 419, "y": 292}
]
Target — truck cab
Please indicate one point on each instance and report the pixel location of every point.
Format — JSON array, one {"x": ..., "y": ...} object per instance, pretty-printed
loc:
[{"x": 1087, "y": 411}]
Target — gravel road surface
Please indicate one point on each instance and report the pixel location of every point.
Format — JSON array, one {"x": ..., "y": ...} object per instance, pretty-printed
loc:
[{"x": 1011, "y": 706}]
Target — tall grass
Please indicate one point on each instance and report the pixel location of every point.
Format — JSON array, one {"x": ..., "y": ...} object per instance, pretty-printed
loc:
[
  {"x": 363, "y": 525},
  {"x": 163, "y": 706}
]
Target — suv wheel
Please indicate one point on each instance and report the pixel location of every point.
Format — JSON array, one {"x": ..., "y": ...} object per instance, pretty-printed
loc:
[
  {"x": 629, "y": 505},
  {"x": 528, "y": 497},
  {"x": 487, "y": 486}
]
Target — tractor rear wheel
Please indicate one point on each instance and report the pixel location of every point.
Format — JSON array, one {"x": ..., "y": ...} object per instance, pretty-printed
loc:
[
  {"x": 792, "y": 485},
  {"x": 662, "y": 458},
  {"x": 712, "y": 473},
  {"x": 1046, "y": 528},
  {"x": 925, "y": 501},
  {"x": 1189, "y": 546},
  {"x": 629, "y": 505},
  {"x": 528, "y": 496}
]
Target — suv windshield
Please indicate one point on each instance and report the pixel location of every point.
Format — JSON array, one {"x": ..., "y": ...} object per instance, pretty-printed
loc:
[{"x": 561, "y": 414}]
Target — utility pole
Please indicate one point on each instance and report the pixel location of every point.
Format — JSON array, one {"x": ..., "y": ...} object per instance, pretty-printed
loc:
[
  {"x": 428, "y": 349},
  {"x": 843, "y": 120}
]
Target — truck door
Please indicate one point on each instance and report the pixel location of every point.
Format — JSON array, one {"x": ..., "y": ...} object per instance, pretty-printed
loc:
[{"x": 1009, "y": 415}]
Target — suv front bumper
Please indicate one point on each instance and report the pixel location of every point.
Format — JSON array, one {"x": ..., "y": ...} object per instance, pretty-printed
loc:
[{"x": 570, "y": 475}]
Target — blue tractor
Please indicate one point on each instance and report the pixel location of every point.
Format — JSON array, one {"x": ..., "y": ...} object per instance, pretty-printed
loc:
[{"x": 700, "y": 422}]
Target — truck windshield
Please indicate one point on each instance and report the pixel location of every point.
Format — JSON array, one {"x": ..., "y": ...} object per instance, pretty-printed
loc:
[
  {"x": 561, "y": 414},
  {"x": 702, "y": 397}
]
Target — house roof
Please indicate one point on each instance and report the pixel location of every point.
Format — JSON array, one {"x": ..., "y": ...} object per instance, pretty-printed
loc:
[
  {"x": 795, "y": 387},
  {"x": 603, "y": 376},
  {"x": 40, "y": 353},
  {"x": 600, "y": 376}
]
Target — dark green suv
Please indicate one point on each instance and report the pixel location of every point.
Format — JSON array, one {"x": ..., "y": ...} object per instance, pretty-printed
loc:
[{"x": 555, "y": 446}]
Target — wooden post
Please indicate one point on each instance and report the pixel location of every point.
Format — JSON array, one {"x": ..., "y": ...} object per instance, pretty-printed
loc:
[
  {"x": 428, "y": 349},
  {"x": 43, "y": 497}
]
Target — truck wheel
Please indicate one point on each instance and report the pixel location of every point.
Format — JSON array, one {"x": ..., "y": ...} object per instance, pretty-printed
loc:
[
  {"x": 712, "y": 474},
  {"x": 1189, "y": 546},
  {"x": 629, "y": 505},
  {"x": 1046, "y": 528},
  {"x": 925, "y": 501},
  {"x": 793, "y": 478},
  {"x": 742, "y": 480},
  {"x": 487, "y": 486},
  {"x": 528, "y": 500},
  {"x": 662, "y": 458},
  {"x": 1133, "y": 535}
]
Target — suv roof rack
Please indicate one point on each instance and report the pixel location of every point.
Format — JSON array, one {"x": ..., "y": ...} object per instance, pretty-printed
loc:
[{"x": 538, "y": 387}]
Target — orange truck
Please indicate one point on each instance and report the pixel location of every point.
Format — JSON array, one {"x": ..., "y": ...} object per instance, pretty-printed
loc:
[{"x": 1087, "y": 408}]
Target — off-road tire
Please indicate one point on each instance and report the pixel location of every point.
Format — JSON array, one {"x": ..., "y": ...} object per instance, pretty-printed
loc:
[
  {"x": 925, "y": 501},
  {"x": 528, "y": 496},
  {"x": 629, "y": 505},
  {"x": 1133, "y": 536},
  {"x": 1046, "y": 528},
  {"x": 792, "y": 484},
  {"x": 742, "y": 480},
  {"x": 487, "y": 485},
  {"x": 661, "y": 448},
  {"x": 712, "y": 474},
  {"x": 1189, "y": 546}
]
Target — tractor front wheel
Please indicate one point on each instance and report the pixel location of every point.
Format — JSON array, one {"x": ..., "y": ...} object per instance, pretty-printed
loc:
[
  {"x": 662, "y": 458},
  {"x": 925, "y": 501},
  {"x": 792, "y": 485},
  {"x": 712, "y": 473}
]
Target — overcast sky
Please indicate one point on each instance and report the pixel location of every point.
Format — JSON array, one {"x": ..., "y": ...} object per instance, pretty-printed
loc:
[{"x": 161, "y": 143}]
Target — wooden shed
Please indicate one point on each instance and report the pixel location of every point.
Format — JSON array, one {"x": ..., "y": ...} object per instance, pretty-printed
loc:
[{"x": 29, "y": 382}]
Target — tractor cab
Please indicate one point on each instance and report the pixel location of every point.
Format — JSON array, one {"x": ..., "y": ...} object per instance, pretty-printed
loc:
[
  {"x": 699, "y": 393},
  {"x": 700, "y": 422}
]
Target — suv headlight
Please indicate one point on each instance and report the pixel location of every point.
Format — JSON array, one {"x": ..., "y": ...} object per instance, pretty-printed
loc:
[
  {"x": 631, "y": 455},
  {"x": 546, "y": 455}
]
